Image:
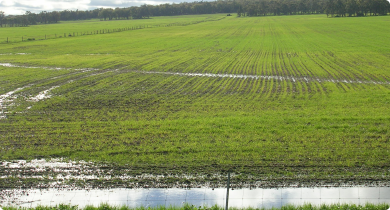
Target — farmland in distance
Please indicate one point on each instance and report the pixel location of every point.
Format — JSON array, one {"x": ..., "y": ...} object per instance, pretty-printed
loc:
[{"x": 296, "y": 98}]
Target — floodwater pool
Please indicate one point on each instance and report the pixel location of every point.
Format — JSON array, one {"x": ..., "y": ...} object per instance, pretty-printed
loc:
[{"x": 256, "y": 198}]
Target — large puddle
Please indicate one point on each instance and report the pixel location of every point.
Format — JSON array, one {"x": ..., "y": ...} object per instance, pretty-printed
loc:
[{"x": 256, "y": 198}]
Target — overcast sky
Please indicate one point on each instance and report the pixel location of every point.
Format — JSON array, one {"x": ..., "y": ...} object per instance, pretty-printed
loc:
[{"x": 19, "y": 7}]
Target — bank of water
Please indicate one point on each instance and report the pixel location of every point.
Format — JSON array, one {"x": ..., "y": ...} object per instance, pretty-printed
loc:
[{"x": 257, "y": 198}]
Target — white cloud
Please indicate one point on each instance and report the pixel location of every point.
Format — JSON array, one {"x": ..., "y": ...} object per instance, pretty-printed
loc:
[{"x": 19, "y": 7}]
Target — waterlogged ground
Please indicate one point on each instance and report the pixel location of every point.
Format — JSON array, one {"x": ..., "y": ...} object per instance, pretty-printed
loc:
[
  {"x": 8, "y": 98},
  {"x": 278, "y": 101},
  {"x": 76, "y": 175},
  {"x": 23, "y": 102}
]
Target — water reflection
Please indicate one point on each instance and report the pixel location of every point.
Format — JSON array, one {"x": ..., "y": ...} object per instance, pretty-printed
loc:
[{"x": 256, "y": 198}]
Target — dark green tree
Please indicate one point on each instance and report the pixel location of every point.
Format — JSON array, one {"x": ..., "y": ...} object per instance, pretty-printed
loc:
[{"x": 2, "y": 16}]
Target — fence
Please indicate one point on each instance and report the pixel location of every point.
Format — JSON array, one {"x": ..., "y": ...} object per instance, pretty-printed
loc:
[
  {"x": 95, "y": 32},
  {"x": 72, "y": 34}
]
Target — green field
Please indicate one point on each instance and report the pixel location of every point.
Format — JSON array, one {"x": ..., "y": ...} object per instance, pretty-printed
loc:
[{"x": 314, "y": 104}]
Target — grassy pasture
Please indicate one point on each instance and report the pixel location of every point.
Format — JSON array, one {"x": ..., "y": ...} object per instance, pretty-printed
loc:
[
  {"x": 95, "y": 26},
  {"x": 324, "y": 113}
]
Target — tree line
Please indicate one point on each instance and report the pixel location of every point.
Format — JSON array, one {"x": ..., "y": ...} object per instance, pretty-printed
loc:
[{"x": 339, "y": 8}]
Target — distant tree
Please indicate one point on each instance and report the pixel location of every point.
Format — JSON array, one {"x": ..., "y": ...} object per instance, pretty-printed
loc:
[
  {"x": 144, "y": 11},
  {"x": 263, "y": 8},
  {"x": 31, "y": 17},
  {"x": 55, "y": 17},
  {"x": 285, "y": 7},
  {"x": 43, "y": 17},
  {"x": 340, "y": 8},
  {"x": 379, "y": 7},
  {"x": 23, "y": 20},
  {"x": 127, "y": 13},
  {"x": 302, "y": 6},
  {"x": 351, "y": 7},
  {"x": 118, "y": 13},
  {"x": 239, "y": 12},
  {"x": 274, "y": 7},
  {"x": 251, "y": 10},
  {"x": 65, "y": 15},
  {"x": 94, "y": 13},
  {"x": 107, "y": 13},
  {"x": 2, "y": 16},
  {"x": 242, "y": 7},
  {"x": 330, "y": 7}
]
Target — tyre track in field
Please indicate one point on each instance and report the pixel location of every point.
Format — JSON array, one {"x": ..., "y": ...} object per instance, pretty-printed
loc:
[
  {"x": 275, "y": 82},
  {"x": 8, "y": 99},
  {"x": 305, "y": 79}
]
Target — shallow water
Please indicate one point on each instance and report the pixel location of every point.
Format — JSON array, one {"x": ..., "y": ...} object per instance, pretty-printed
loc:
[
  {"x": 43, "y": 95},
  {"x": 235, "y": 76},
  {"x": 7, "y": 99},
  {"x": 199, "y": 197}
]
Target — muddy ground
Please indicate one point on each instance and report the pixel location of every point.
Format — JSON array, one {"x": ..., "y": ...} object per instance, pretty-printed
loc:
[{"x": 56, "y": 173}]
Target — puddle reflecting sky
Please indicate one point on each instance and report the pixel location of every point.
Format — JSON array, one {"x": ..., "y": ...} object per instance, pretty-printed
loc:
[{"x": 199, "y": 197}]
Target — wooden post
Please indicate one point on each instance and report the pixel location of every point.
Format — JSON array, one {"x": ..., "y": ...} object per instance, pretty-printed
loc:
[{"x": 227, "y": 192}]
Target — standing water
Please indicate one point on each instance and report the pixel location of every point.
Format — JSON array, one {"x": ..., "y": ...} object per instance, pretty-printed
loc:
[{"x": 239, "y": 198}]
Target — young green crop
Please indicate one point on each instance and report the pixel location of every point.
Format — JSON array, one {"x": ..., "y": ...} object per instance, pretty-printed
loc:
[
  {"x": 306, "y": 93},
  {"x": 69, "y": 29}
]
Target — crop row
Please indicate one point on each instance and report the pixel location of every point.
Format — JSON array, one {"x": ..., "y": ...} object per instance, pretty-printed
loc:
[
  {"x": 10, "y": 35},
  {"x": 269, "y": 46},
  {"x": 154, "y": 118},
  {"x": 284, "y": 92}
]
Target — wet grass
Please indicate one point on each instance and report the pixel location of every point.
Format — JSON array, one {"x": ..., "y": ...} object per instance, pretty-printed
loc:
[
  {"x": 191, "y": 207},
  {"x": 324, "y": 116}
]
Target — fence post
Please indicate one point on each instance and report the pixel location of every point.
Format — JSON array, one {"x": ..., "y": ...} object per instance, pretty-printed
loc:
[{"x": 227, "y": 192}]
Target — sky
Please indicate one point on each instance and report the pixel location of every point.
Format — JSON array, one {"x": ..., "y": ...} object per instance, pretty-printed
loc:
[{"x": 19, "y": 7}]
